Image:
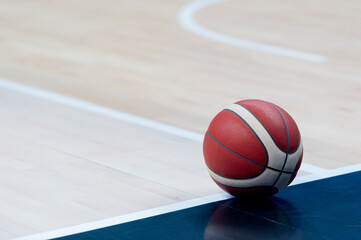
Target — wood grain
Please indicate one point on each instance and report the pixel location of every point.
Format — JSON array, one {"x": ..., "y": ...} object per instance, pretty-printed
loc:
[{"x": 61, "y": 166}]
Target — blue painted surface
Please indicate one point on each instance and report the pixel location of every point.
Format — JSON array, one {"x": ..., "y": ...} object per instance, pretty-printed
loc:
[{"x": 324, "y": 209}]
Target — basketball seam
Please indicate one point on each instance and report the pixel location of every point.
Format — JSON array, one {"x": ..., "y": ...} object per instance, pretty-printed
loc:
[
  {"x": 244, "y": 187},
  {"x": 267, "y": 129},
  {"x": 298, "y": 162},
  {"x": 233, "y": 177},
  {"x": 250, "y": 128},
  {"x": 288, "y": 145},
  {"x": 250, "y": 160},
  {"x": 295, "y": 171},
  {"x": 241, "y": 180}
]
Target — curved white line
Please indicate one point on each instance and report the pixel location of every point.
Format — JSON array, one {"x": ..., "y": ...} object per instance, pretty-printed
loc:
[{"x": 186, "y": 20}]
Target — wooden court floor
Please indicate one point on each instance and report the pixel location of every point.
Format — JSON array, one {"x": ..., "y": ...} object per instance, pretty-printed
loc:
[{"x": 103, "y": 104}]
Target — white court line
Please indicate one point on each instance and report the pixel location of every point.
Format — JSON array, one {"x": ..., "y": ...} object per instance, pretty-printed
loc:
[
  {"x": 125, "y": 218},
  {"x": 97, "y": 109},
  {"x": 186, "y": 19},
  {"x": 314, "y": 169},
  {"x": 111, "y": 113},
  {"x": 115, "y": 114},
  {"x": 165, "y": 209},
  {"x": 328, "y": 173}
]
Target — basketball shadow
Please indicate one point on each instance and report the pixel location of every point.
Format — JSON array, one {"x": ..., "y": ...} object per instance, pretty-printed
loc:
[{"x": 267, "y": 219}]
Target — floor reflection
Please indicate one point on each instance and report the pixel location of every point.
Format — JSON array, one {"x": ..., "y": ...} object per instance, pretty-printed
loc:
[{"x": 268, "y": 219}]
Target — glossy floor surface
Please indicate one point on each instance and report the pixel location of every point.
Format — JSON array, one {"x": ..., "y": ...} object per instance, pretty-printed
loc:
[
  {"x": 104, "y": 104},
  {"x": 323, "y": 209}
]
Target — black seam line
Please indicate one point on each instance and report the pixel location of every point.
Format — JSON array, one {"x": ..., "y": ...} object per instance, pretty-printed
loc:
[
  {"x": 288, "y": 145},
  {"x": 265, "y": 127},
  {"x": 233, "y": 177},
  {"x": 243, "y": 120},
  {"x": 298, "y": 161},
  {"x": 250, "y": 160},
  {"x": 242, "y": 187}
]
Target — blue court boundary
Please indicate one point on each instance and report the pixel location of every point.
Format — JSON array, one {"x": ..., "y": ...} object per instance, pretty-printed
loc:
[{"x": 324, "y": 209}]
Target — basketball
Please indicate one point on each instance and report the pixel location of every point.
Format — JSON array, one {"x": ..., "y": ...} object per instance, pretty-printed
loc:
[{"x": 252, "y": 149}]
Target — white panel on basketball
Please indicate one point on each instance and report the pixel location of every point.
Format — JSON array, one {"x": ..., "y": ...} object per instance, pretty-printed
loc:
[
  {"x": 264, "y": 179},
  {"x": 293, "y": 158},
  {"x": 283, "y": 181},
  {"x": 274, "y": 153}
]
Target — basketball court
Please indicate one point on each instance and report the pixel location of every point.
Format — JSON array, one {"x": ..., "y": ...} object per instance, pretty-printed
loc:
[{"x": 104, "y": 107}]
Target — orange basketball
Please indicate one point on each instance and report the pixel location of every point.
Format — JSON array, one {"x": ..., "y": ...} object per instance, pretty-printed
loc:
[{"x": 253, "y": 148}]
